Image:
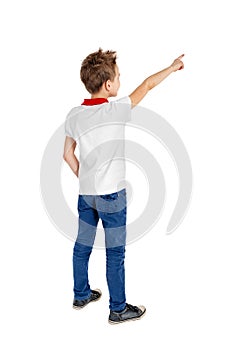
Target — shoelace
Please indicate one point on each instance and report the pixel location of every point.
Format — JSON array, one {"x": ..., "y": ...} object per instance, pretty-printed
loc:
[{"x": 132, "y": 308}]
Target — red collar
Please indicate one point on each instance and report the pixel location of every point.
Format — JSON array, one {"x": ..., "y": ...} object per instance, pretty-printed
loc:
[{"x": 94, "y": 101}]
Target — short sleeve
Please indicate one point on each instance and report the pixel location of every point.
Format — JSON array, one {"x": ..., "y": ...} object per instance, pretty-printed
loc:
[
  {"x": 123, "y": 105},
  {"x": 67, "y": 126}
]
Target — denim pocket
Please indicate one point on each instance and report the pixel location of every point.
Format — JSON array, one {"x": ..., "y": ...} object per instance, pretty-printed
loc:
[
  {"x": 85, "y": 202},
  {"x": 112, "y": 203},
  {"x": 109, "y": 197}
]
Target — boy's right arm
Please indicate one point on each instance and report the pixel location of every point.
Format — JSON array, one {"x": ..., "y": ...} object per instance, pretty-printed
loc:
[
  {"x": 149, "y": 83},
  {"x": 69, "y": 156}
]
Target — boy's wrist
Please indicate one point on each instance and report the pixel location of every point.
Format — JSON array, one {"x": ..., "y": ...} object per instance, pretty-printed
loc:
[{"x": 171, "y": 68}]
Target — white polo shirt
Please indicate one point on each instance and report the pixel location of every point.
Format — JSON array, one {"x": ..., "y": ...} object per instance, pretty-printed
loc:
[{"x": 98, "y": 127}]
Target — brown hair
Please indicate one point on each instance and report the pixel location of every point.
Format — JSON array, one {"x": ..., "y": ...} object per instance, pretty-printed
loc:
[{"x": 97, "y": 68}]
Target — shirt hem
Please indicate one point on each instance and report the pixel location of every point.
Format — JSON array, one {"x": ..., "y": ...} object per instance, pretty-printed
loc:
[{"x": 100, "y": 193}]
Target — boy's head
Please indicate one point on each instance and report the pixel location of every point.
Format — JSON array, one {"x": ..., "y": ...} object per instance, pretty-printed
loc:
[{"x": 99, "y": 72}]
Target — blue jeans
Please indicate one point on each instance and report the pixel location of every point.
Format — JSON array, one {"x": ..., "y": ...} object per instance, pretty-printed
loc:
[{"x": 111, "y": 209}]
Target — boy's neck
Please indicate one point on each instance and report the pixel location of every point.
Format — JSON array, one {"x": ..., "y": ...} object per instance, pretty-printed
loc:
[{"x": 100, "y": 95}]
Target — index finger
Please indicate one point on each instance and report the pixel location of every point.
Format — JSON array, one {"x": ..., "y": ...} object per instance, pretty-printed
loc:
[{"x": 178, "y": 58}]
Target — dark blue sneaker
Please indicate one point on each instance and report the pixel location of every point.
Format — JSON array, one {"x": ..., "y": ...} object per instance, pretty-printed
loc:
[
  {"x": 130, "y": 313},
  {"x": 95, "y": 295}
]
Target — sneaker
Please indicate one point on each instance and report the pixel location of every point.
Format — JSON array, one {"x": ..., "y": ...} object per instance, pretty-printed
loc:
[
  {"x": 130, "y": 313},
  {"x": 95, "y": 295}
]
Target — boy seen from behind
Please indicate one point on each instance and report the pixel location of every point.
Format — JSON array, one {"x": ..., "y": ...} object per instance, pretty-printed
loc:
[{"x": 97, "y": 126}]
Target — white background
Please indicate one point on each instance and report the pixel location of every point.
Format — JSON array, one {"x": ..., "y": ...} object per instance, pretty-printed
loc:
[{"x": 185, "y": 279}]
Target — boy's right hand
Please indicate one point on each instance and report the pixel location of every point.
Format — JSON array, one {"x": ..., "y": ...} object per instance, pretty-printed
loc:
[{"x": 177, "y": 64}]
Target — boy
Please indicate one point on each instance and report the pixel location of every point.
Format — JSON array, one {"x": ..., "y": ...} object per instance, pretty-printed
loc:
[{"x": 97, "y": 126}]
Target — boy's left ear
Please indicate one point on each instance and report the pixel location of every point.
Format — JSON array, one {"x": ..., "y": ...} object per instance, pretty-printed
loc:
[{"x": 108, "y": 85}]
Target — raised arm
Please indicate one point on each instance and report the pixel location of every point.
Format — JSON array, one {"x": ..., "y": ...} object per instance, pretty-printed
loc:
[
  {"x": 69, "y": 156},
  {"x": 149, "y": 83}
]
